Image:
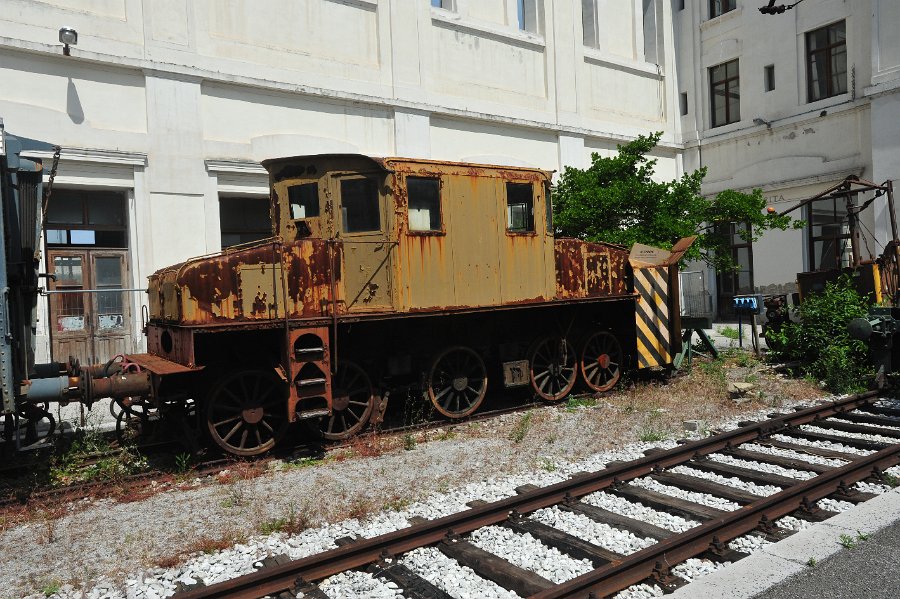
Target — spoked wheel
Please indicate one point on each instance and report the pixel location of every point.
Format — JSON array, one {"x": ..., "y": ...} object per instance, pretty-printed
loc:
[
  {"x": 352, "y": 402},
  {"x": 601, "y": 361},
  {"x": 31, "y": 417},
  {"x": 457, "y": 382},
  {"x": 553, "y": 368},
  {"x": 132, "y": 417},
  {"x": 246, "y": 412}
]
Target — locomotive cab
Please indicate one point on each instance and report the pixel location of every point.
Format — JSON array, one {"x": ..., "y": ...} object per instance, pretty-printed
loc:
[{"x": 420, "y": 235}]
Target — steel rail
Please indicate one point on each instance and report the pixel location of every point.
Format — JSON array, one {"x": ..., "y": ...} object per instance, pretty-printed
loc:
[
  {"x": 367, "y": 551},
  {"x": 638, "y": 566}
]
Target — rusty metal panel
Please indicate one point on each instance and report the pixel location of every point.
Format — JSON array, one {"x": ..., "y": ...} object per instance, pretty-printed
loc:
[
  {"x": 586, "y": 270},
  {"x": 425, "y": 267},
  {"x": 569, "y": 258},
  {"x": 312, "y": 268},
  {"x": 473, "y": 241},
  {"x": 159, "y": 365},
  {"x": 260, "y": 288},
  {"x": 173, "y": 343}
]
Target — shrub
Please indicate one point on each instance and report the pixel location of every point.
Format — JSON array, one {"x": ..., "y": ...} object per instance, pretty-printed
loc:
[{"x": 820, "y": 341}]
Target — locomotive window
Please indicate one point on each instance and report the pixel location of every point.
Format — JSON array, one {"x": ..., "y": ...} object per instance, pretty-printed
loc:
[
  {"x": 519, "y": 208},
  {"x": 359, "y": 206},
  {"x": 304, "y": 200},
  {"x": 424, "y": 204}
]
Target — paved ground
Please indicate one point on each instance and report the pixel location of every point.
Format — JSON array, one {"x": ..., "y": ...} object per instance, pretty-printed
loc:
[
  {"x": 869, "y": 570},
  {"x": 782, "y": 570}
]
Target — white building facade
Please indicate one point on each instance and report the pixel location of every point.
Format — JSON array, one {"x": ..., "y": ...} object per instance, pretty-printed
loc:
[
  {"x": 165, "y": 108},
  {"x": 792, "y": 104}
]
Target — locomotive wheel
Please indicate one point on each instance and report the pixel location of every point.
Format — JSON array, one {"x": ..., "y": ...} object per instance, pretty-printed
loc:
[
  {"x": 352, "y": 402},
  {"x": 30, "y": 417},
  {"x": 553, "y": 368},
  {"x": 457, "y": 381},
  {"x": 601, "y": 361},
  {"x": 245, "y": 412}
]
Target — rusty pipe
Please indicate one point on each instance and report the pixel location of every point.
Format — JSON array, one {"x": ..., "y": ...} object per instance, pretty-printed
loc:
[{"x": 118, "y": 386}]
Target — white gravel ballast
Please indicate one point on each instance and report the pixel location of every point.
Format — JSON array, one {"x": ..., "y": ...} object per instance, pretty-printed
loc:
[
  {"x": 529, "y": 554},
  {"x": 821, "y": 444},
  {"x": 836, "y": 433},
  {"x": 761, "y": 466},
  {"x": 701, "y": 498},
  {"x": 623, "y": 507},
  {"x": 761, "y": 490},
  {"x": 446, "y": 574},
  {"x": 613, "y": 539},
  {"x": 353, "y": 584}
]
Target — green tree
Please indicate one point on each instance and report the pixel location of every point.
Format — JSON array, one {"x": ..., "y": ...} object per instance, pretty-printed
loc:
[{"x": 616, "y": 200}]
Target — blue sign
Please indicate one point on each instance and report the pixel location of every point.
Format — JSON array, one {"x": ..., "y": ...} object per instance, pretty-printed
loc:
[{"x": 748, "y": 304}]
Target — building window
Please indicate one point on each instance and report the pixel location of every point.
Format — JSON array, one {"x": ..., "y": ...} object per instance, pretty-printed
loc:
[
  {"x": 735, "y": 282},
  {"x": 87, "y": 218},
  {"x": 445, "y": 4},
  {"x": 769, "y": 77},
  {"x": 359, "y": 206},
  {"x": 720, "y": 7},
  {"x": 424, "y": 203},
  {"x": 829, "y": 234},
  {"x": 683, "y": 103},
  {"x": 725, "y": 93},
  {"x": 529, "y": 15},
  {"x": 826, "y": 61},
  {"x": 589, "y": 23},
  {"x": 304, "y": 200},
  {"x": 243, "y": 220},
  {"x": 519, "y": 207}
]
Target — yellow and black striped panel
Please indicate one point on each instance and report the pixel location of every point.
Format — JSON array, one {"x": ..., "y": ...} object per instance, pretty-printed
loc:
[{"x": 652, "y": 316}]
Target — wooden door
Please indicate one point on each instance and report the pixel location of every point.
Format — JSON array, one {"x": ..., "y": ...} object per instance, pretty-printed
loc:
[{"x": 90, "y": 317}]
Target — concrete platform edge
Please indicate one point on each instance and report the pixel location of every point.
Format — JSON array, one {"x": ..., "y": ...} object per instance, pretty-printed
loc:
[{"x": 777, "y": 562}]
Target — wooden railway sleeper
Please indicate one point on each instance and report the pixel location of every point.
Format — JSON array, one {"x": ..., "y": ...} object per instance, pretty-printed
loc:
[{"x": 413, "y": 585}]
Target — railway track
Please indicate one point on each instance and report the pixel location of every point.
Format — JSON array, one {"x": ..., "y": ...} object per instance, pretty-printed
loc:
[
  {"x": 214, "y": 465},
  {"x": 848, "y": 424}
]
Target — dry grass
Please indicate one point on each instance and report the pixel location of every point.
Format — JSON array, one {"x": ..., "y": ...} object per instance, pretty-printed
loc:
[{"x": 206, "y": 544}]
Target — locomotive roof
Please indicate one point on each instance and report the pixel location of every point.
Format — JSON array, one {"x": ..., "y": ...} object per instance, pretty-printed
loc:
[{"x": 407, "y": 165}]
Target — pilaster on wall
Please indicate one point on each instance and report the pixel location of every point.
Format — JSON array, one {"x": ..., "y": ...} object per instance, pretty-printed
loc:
[
  {"x": 412, "y": 134},
  {"x": 176, "y": 181},
  {"x": 885, "y": 116},
  {"x": 572, "y": 152}
]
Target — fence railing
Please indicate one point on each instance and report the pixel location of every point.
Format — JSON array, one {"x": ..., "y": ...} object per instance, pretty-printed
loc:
[{"x": 696, "y": 299}]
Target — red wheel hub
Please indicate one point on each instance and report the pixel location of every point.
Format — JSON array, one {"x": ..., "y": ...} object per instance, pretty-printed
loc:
[
  {"x": 253, "y": 415},
  {"x": 603, "y": 360}
]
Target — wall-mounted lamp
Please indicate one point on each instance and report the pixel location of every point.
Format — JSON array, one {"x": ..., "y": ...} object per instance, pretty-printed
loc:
[
  {"x": 67, "y": 37},
  {"x": 759, "y": 121}
]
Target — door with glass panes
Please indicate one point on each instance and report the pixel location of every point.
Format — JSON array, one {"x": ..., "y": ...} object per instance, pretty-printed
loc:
[
  {"x": 89, "y": 313},
  {"x": 90, "y": 319}
]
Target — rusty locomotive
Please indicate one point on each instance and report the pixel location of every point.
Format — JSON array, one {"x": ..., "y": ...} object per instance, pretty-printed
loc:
[{"x": 387, "y": 274}]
